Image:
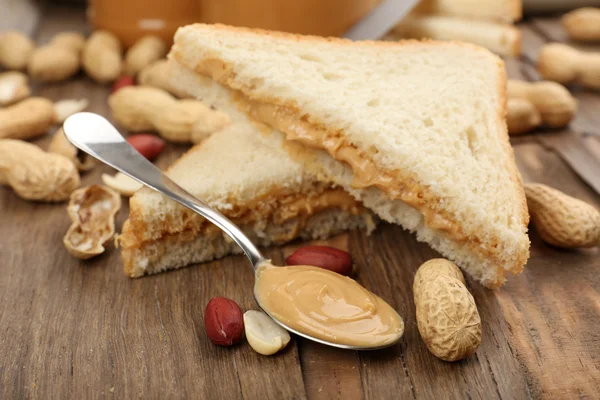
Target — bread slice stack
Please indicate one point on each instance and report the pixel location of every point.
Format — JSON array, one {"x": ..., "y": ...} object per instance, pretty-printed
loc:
[
  {"x": 413, "y": 130},
  {"x": 246, "y": 176},
  {"x": 488, "y": 23}
]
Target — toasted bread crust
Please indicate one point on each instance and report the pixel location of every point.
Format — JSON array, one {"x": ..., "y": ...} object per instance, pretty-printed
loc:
[
  {"x": 183, "y": 248},
  {"x": 225, "y": 75}
]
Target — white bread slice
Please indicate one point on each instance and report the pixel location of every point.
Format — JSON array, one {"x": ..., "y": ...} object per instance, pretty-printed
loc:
[
  {"x": 246, "y": 176},
  {"x": 427, "y": 116},
  {"x": 502, "y": 39},
  {"x": 493, "y": 10}
]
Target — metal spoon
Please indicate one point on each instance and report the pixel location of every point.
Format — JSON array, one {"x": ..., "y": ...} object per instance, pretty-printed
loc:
[{"x": 96, "y": 136}]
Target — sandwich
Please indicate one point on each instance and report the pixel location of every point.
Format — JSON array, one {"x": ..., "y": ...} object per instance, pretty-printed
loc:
[
  {"x": 246, "y": 176},
  {"x": 415, "y": 131}
]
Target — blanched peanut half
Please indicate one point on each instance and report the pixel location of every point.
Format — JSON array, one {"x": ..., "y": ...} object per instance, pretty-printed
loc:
[
  {"x": 63, "y": 109},
  {"x": 14, "y": 86},
  {"x": 123, "y": 184},
  {"x": 263, "y": 334}
]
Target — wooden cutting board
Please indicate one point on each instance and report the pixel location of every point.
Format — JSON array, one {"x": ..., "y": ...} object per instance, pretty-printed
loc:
[{"x": 81, "y": 329}]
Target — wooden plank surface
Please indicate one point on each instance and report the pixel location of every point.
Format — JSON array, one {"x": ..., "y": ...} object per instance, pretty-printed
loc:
[{"x": 81, "y": 329}]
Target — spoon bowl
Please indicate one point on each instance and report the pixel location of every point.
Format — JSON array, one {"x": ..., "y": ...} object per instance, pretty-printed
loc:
[{"x": 96, "y": 136}]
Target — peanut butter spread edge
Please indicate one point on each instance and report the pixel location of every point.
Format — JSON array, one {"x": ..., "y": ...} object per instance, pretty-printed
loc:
[
  {"x": 365, "y": 172},
  {"x": 287, "y": 207}
]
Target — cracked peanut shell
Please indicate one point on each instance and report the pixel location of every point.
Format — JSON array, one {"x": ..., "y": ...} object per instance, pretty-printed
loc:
[{"x": 92, "y": 210}]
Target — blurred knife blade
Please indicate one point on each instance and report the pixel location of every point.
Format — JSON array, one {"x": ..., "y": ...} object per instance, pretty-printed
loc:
[
  {"x": 379, "y": 21},
  {"x": 580, "y": 151}
]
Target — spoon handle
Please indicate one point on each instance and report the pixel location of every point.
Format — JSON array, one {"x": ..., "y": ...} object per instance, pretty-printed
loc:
[{"x": 96, "y": 136}]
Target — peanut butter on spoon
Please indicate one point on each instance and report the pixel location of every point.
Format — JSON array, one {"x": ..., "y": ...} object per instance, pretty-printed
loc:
[{"x": 326, "y": 305}]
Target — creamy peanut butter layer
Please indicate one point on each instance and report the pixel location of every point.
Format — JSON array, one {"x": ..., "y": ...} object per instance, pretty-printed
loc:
[
  {"x": 365, "y": 171},
  {"x": 284, "y": 209}
]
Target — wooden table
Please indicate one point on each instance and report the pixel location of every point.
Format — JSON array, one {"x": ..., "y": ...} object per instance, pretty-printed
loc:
[{"x": 81, "y": 329}]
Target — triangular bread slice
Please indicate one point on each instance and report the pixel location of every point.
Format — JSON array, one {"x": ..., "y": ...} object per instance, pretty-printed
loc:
[
  {"x": 250, "y": 179},
  {"x": 414, "y": 130}
]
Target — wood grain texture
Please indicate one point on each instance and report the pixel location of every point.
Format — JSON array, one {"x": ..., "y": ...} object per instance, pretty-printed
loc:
[{"x": 81, "y": 329}]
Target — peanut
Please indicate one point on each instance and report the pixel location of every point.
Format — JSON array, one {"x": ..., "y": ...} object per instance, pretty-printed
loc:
[
  {"x": 53, "y": 64},
  {"x": 123, "y": 82},
  {"x": 263, "y": 334},
  {"x": 582, "y": 24},
  {"x": 175, "y": 123},
  {"x": 59, "y": 60},
  {"x": 522, "y": 116},
  {"x": 92, "y": 210},
  {"x": 121, "y": 183},
  {"x": 101, "y": 57},
  {"x": 149, "y": 146},
  {"x": 324, "y": 257},
  {"x": 223, "y": 321},
  {"x": 212, "y": 123},
  {"x": 434, "y": 268},
  {"x": 562, "y": 220},
  {"x": 60, "y": 145},
  {"x": 135, "y": 106},
  {"x": 564, "y": 64},
  {"x": 447, "y": 316},
  {"x": 63, "y": 109},
  {"x": 27, "y": 119},
  {"x": 34, "y": 174},
  {"x": 15, "y": 49},
  {"x": 14, "y": 86},
  {"x": 157, "y": 74},
  {"x": 556, "y": 105},
  {"x": 140, "y": 108},
  {"x": 71, "y": 40},
  {"x": 145, "y": 51}
]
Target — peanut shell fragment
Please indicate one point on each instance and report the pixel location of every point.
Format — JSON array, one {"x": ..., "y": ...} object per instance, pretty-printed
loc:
[{"x": 92, "y": 210}]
